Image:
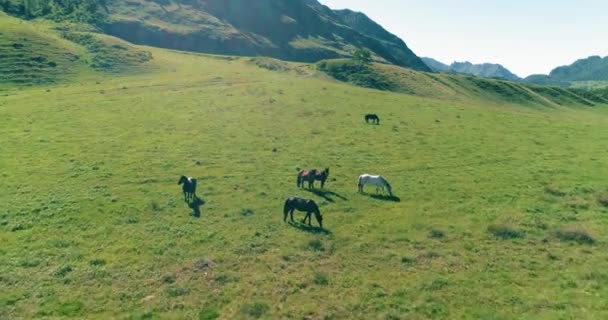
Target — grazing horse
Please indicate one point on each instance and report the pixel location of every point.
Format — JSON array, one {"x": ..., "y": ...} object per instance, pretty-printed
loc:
[
  {"x": 372, "y": 117},
  {"x": 379, "y": 181},
  {"x": 304, "y": 205},
  {"x": 311, "y": 176},
  {"x": 189, "y": 187}
]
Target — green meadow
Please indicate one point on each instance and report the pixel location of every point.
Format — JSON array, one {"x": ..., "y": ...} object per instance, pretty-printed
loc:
[{"x": 502, "y": 210}]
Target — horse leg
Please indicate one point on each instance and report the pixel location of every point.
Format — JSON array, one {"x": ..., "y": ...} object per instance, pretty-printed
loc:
[
  {"x": 291, "y": 214},
  {"x": 307, "y": 216}
]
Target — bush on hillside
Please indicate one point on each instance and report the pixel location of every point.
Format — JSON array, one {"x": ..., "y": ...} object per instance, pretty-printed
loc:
[{"x": 356, "y": 73}]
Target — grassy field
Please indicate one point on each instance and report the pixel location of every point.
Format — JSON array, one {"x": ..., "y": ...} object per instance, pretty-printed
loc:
[{"x": 501, "y": 212}]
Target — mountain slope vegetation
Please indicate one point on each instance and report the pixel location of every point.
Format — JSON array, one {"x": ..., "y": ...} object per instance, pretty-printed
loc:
[
  {"x": 43, "y": 53},
  {"x": 295, "y": 30},
  {"x": 456, "y": 87}
]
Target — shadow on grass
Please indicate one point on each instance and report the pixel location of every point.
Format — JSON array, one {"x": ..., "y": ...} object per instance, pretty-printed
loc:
[
  {"x": 196, "y": 205},
  {"x": 309, "y": 229},
  {"x": 383, "y": 197},
  {"x": 326, "y": 194}
]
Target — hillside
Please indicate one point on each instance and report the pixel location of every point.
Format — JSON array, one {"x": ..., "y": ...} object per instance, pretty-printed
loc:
[
  {"x": 485, "y": 70},
  {"x": 457, "y": 87},
  {"x": 583, "y": 72},
  {"x": 45, "y": 53},
  {"x": 295, "y": 30},
  {"x": 494, "y": 198},
  {"x": 363, "y": 24}
]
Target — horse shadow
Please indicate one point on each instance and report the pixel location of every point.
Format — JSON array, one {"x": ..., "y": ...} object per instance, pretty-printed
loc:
[
  {"x": 327, "y": 195},
  {"x": 196, "y": 205},
  {"x": 384, "y": 197},
  {"x": 306, "y": 228}
]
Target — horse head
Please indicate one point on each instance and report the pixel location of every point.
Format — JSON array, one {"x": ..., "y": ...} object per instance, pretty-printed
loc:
[{"x": 183, "y": 179}]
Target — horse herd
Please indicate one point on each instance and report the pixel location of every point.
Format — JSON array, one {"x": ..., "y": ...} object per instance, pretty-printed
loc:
[{"x": 307, "y": 206}]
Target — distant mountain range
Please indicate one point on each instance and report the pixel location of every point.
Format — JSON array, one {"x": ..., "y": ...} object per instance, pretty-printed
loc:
[
  {"x": 485, "y": 70},
  {"x": 592, "y": 69}
]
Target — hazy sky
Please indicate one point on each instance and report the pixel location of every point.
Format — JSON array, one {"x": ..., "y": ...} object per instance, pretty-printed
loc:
[{"x": 526, "y": 36}]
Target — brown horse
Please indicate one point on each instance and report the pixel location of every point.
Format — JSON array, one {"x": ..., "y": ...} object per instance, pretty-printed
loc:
[
  {"x": 304, "y": 205},
  {"x": 311, "y": 176}
]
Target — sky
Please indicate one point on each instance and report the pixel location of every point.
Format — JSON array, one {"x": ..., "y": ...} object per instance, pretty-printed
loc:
[{"x": 525, "y": 36}]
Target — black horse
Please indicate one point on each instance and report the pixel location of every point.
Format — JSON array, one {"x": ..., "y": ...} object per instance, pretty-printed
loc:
[
  {"x": 311, "y": 176},
  {"x": 304, "y": 205},
  {"x": 373, "y": 118},
  {"x": 189, "y": 187}
]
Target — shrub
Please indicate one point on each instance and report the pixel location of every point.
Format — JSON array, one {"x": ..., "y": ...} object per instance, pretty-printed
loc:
[
  {"x": 63, "y": 271},
  {"x": 603, "y": 199},
  {"x": 505, "y": 232},
  {"x": 208, "y": 313},
  {"x": 97, "y": 262},
  {"x": 321, "y": 279},
  {"x": 255, "y": 310},
  {"x": 437, "y": 234},
  {"x": 247, "y": 212},
  {"x": 408, "y": 260},
  {"x": 316, "y": 245},
  {"x": 177, "y": 292},
  {"x": 554, "y": 190},
  {"x": 575, "y": 235},
  {"x": 578, "y": 203}
]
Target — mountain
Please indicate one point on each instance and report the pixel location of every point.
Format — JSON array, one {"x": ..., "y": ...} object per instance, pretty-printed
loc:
[
  {"x": 485, "y": 70},
  {"x": 397, "y": 47},
  {"x": 296, "y": 30},
  {"x": 436, "y": 65},
  {"x": 594, "y": 68}
]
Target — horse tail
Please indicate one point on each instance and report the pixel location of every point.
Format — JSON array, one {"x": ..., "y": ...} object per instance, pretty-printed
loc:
[
  {"x": 359, "y": 182},
  {"x": 286, "y": 207}
]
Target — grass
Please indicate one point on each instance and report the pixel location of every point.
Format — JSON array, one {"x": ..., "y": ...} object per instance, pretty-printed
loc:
[
  {"x": 93, "y": 224},
  {"x": 43, "y": 53},
  {"x": 455, "y": 87}
]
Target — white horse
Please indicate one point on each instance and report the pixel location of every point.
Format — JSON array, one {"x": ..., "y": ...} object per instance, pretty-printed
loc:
[{"x": 379, "y": 181}]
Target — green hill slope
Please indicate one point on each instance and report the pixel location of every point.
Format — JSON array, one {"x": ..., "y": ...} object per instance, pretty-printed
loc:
[
  {"x": 454, "y": 87},
  {"x": 496, "y": 201},
  {"x": 43, "y": 53}
]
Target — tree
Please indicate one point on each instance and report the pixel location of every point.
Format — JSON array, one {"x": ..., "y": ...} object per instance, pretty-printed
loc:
[{"x": 362, "y": 56}]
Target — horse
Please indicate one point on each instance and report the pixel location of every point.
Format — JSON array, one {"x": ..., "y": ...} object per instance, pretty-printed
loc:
[
  {"x": 189, "y": 187},
  {"x": 304, "y": 205},
  {"x": 373, "y": 117},
  {"x": 379, "y": 181},
  {"x": 311, "y": 176}
]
